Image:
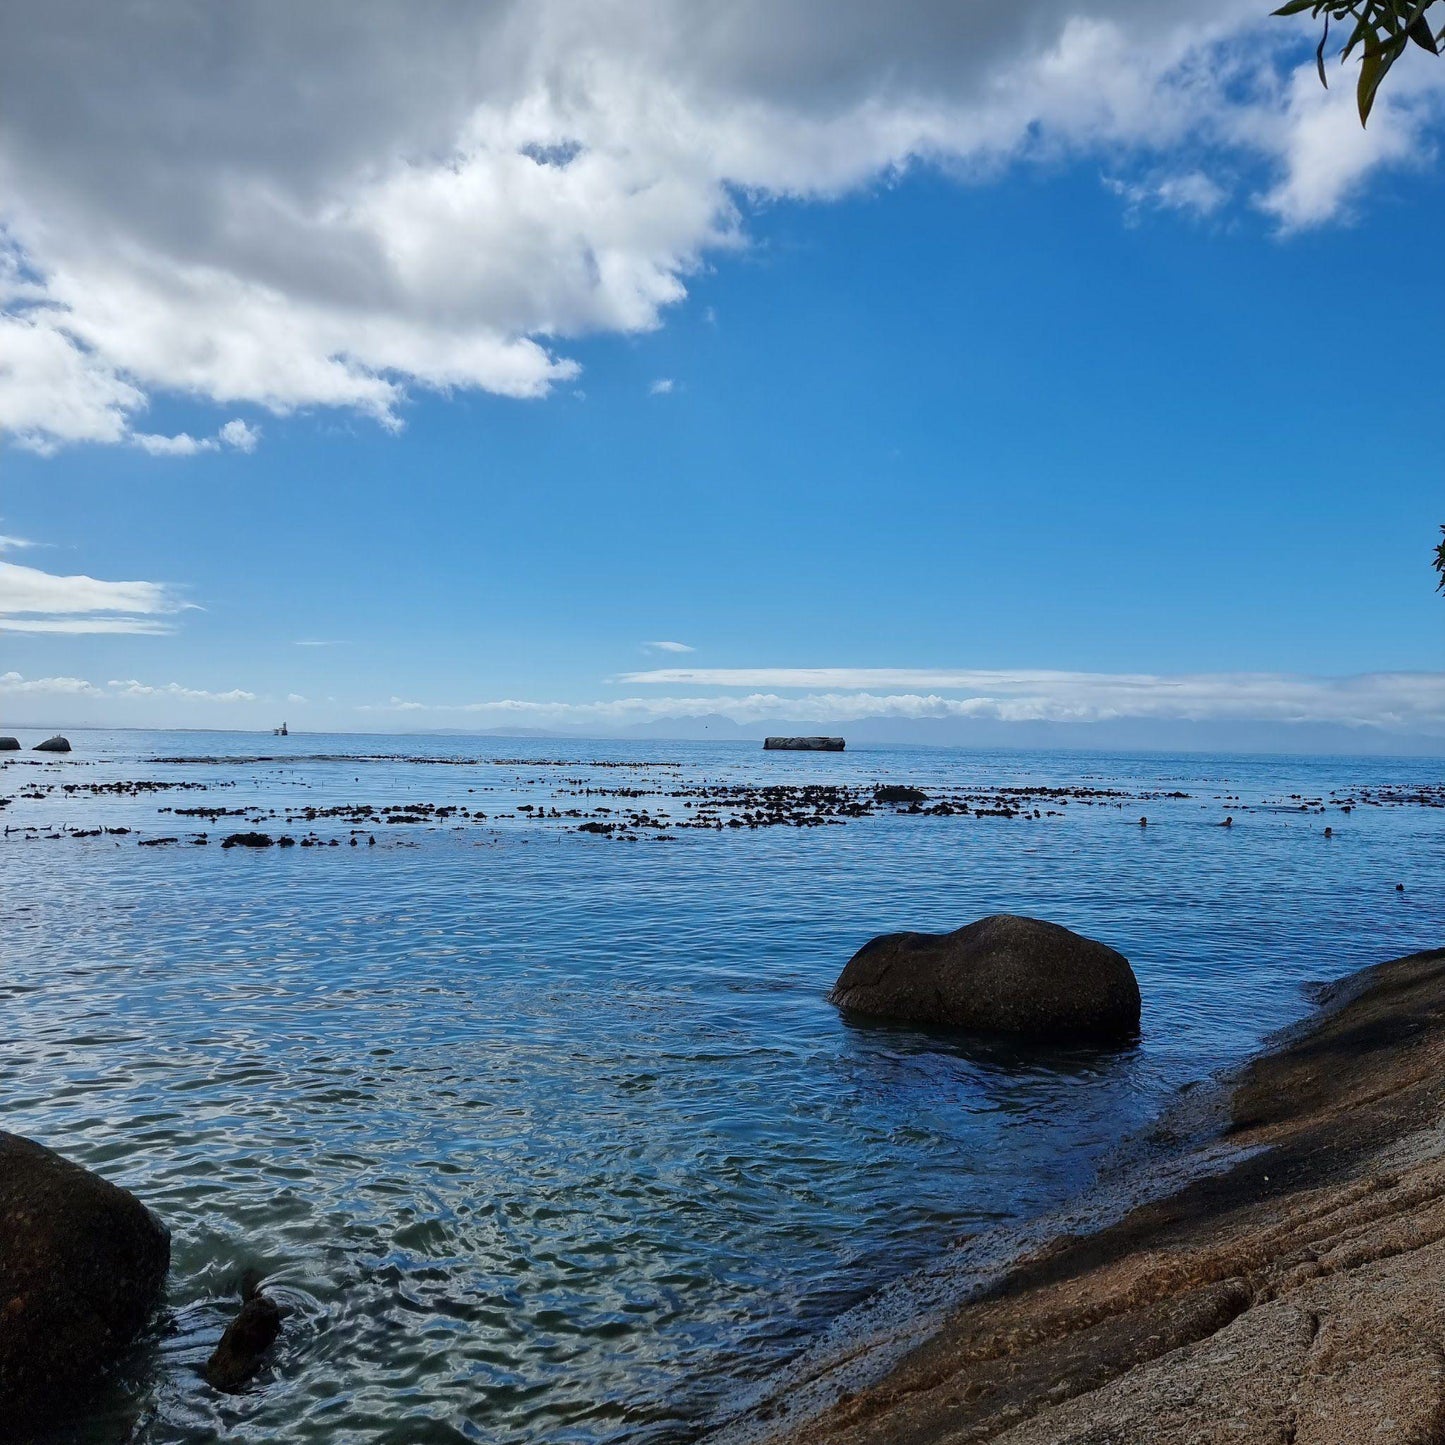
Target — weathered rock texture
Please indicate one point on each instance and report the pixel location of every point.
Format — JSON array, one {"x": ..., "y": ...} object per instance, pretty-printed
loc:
[
  {"x": 1299, "y": 1297},
  {"x": 804, "y": 745},
  {"x": 1003, "y": 975},
  {"x": 82, "y": 1264},
  {"x": 9, "y": 745},
  {"x": 57, "y": 744}
]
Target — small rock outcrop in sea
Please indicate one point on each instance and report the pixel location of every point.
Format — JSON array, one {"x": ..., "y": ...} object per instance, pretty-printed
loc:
[
  {"x": 9, "y": 745},
  {"x": 82, "y": 1265},
  {"x": 247, "y": 840},
  {"x": 1001, "y": 975},
  {"x": 57, "y": 744},
  {"x": 804, "y": 745},
  {"x": 899, "y": 793},
  {"x": 247, "y": 1339}
]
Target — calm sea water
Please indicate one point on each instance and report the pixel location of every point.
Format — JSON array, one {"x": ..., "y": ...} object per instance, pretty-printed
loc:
[{"x": 549, "y": 1136}]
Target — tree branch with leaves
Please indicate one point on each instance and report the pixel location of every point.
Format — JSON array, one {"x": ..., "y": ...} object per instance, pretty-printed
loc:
[{"x": 1381, "y": 32}]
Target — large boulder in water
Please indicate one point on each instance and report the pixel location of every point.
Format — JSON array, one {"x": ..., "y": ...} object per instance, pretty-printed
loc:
[
  {"x": 82, "y": 1265},
  {"x": 9, "y": 745},
  {"x": 57, "y": 744},
  {"x": 1001, "y": 975}
]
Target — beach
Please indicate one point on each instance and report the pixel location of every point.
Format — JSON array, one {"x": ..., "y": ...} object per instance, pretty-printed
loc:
[{"x": 1297, "y": 1296}]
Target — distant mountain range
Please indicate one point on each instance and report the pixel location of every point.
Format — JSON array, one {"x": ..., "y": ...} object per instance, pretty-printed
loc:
[{"x": 1116, "y": 735}]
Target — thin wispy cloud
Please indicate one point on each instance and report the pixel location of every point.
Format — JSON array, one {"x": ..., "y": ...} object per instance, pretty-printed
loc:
[
  {"x": 99, "y": 626},
  {"x": 463, "y": 190},
  {"x": 319, "y": 642},
  {"x": 1393, "y": 701},
  {"x": 32, "y": 600},
  {"x": 663, "y": 386},
  {"x": 668, "y": 647},
  {"x": 235, "y": 436}
]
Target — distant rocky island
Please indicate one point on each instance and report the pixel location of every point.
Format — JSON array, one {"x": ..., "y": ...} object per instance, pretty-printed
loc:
[{"x": 804, "y": 745}]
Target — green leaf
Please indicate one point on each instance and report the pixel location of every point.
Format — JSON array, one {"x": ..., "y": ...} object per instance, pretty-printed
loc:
[{"x": 1419, "y": 32}]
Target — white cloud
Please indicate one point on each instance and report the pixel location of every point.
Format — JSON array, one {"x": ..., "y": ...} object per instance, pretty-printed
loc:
[
  {"x": 461, "y": 189},
  {"x": 14, "y": 544},
  {"x": 1388, "y": 700},
  {"x": 668, "y": 647},
  {"x": 1326, "y": 154},
  {"x": 235, "y": 434},
  {"x": 134, "y": 626},
  {"x": 318, "y": 642},
  {"x": 36, "y": 601},
  {"x": 1191, "y": 192},
  {"x": 663, "y": 386},
  {"x": 14, "y": 684},
  {"x": 131, "y": 688}
]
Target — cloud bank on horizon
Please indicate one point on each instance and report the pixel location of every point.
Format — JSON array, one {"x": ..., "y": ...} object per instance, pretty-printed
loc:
[
  {"x": 1409, "y": 703},
  {"x": 331, "y": 205}
]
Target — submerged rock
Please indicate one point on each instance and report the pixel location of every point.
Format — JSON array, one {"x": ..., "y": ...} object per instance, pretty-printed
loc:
[
  {"x": 9, "y": 745},
  {"x": 899, "y": 793},
  {"x": 57, "y": 744},
  {"x": 804, "y": 745},
  {"x": 248, "y": 840},
  {"x": 247, "y": 1339},
  {"x": 82, "y": 1264},
  {"x": 1003, "y": 974}
]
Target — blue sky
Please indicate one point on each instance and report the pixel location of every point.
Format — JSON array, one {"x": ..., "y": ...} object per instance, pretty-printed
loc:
[{"x": 996, "y": 435}]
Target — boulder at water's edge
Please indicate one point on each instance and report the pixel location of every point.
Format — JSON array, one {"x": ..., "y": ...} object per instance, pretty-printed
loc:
[
  {"x": 57, "y": 744},
  {"x": 9, "y": 745},
  {"x": 82, "y": 1266},
  {"x": 1002, "y": 975}
]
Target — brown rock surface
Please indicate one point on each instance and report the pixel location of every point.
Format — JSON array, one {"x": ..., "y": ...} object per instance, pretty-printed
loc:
[
  {"x": 1003, "y": 974},
  {"x": 1298, "y": 1297},
  {"x": 82, "y": 1264}
]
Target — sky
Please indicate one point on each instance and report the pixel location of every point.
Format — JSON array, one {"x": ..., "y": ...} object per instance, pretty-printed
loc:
[{"x": 930, "y": 371}]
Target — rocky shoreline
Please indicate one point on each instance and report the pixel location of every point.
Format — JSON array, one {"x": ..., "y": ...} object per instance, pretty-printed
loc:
[{"x": 1297, "y": 1294}]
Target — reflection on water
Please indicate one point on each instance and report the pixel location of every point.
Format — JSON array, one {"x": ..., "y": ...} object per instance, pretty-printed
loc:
[{"x": 544, "y": 1136}]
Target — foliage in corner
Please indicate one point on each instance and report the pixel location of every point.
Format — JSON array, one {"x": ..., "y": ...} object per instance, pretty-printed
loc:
[
  {"x": 1382, "y": 30},
  {"x": 1439, "y": 563}
]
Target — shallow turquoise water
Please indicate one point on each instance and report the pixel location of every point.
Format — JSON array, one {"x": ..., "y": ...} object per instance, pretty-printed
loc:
[{"x": 544, "y": 1136}]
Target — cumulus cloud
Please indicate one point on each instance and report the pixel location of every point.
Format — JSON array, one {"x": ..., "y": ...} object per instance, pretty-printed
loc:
[
  {"x": 131, "y": 688},
  {"x": 663, "y": 386},
  {"x": 1394, "y": 701},
  {"x": 190, "y": 204},
  {"x": 12, "y": 684},
  {"x": 35, "y": 601}
]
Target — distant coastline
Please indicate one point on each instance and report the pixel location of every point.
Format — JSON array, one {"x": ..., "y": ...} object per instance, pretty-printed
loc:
[{"x": 1264, "y": 741}]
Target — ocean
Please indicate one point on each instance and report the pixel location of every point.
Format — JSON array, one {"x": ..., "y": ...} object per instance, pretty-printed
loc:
[{"x": 536, "y": 1116}]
